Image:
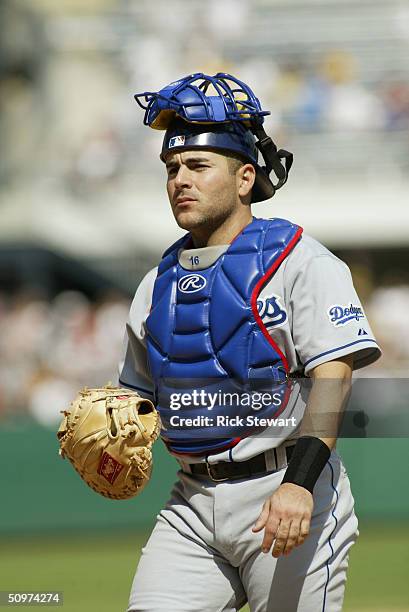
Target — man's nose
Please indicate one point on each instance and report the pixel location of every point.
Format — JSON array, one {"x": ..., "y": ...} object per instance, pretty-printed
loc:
[{"x": 183, "y": 177}]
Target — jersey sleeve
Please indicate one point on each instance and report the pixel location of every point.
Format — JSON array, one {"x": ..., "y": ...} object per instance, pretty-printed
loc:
[
  {"x": 133, "y": 368},
  {"x": 327, "y": 318}
]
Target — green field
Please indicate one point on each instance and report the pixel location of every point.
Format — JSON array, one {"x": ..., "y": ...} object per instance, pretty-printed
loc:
[{"x": 95, "y": 573}]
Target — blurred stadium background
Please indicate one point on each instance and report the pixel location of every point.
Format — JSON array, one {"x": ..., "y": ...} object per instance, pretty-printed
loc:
[{"x": 84, "y": 215}]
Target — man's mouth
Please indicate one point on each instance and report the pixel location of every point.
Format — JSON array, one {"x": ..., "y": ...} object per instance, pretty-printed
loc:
[{"x": 184, "y": 200}]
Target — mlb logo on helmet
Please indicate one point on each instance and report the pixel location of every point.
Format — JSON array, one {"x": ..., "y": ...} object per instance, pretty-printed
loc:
[{"x": 176, "y": 141}]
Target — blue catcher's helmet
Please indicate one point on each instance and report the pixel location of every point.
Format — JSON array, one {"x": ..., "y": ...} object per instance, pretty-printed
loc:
[{"x": 231, "y": 120}]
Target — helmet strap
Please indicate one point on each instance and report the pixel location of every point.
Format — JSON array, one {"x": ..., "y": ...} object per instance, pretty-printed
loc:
[{"x": 272, "y": 157}]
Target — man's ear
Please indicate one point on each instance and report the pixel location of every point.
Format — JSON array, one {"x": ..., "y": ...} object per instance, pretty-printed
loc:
[{"x": 246, "y": 176}]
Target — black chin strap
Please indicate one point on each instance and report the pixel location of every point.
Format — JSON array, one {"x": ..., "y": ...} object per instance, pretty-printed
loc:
[{"x": 272, "y": 157}]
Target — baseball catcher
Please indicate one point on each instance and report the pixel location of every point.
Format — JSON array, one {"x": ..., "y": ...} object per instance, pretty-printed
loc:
[
  {"x": 108, "y": 434},
  {"x": 241, "y": 307},
  {"x": 238, "y": 313}
]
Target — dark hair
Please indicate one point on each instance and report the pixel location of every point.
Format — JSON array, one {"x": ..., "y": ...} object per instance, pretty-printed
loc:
[{"x": 235, "y": 161}]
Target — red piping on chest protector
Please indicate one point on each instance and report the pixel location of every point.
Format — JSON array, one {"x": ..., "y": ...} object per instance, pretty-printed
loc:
[
  {"x": 257, "y": 290},
  {"x": 254, "y": 295}
]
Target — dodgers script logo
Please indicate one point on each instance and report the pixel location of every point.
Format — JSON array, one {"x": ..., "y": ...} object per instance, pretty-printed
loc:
[
  {"x": 340, "y": 315},
  {"x": 191, "y": 283},
  {"x": 176, "y": 141},
  {"x": 272, "y": 313}
]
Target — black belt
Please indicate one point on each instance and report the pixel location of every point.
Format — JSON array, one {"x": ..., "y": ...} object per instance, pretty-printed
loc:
[{"x": 230, "y": 470}]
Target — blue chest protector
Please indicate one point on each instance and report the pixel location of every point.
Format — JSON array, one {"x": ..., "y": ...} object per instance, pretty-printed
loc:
[{"x": 208, "y": 349}]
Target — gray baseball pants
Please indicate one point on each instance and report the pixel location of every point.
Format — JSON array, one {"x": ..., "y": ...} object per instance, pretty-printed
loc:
[{"x": 203, "y": 557}]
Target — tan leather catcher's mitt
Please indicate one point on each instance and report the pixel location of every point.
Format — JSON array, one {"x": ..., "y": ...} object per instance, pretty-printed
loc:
[{"x": 107, "y": 435}]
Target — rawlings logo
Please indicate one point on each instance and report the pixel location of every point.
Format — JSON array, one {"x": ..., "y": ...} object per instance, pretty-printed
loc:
[
  {"x": 191, "y": 283},
  {"x": 272, "y": 313},
  {"x": 176, "y": 141},
  {"x": 340, "y": 315},
  {"x": 109, "y": 467}
]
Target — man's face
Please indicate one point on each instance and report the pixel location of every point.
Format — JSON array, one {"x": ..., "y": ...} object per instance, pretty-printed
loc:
[{"x": 202, "y": 189}]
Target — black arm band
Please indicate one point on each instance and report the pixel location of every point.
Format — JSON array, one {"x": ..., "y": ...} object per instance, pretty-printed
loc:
[{"x": 308, "y": 459}]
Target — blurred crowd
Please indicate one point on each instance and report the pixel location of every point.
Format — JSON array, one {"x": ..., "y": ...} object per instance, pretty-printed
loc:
[
  {"x": 51, "y": 349},
  {"x": 78, "y": 66},
  {"x": 334, "y": 76}
]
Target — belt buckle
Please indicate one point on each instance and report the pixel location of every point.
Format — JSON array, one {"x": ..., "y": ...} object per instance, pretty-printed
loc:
[{"x": 209, "y": 471}]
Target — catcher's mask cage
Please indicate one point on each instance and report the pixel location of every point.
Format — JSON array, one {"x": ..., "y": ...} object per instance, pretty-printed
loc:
[{"x": 231, "y": 121}]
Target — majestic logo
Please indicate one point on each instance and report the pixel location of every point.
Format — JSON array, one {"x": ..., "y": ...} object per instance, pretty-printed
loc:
[
  {"x": 176, "y": 141},
  {"x": 272, "y": 313},
  {"x": 191, "y": 283},
  {"x": 340, "y": 315}
]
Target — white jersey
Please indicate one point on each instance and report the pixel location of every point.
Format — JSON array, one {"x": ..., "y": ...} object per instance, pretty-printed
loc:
[{"x": 311, "y": 310}]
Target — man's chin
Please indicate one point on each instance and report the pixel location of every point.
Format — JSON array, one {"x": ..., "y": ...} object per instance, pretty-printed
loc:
[{"x": 188, "y": 220}]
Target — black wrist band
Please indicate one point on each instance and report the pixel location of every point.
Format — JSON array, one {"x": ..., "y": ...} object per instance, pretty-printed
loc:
[{"x": 308, "y": 459}]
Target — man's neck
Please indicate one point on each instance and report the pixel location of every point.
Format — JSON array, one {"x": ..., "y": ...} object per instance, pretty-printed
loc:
[{"x": 224, "y": 234}]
